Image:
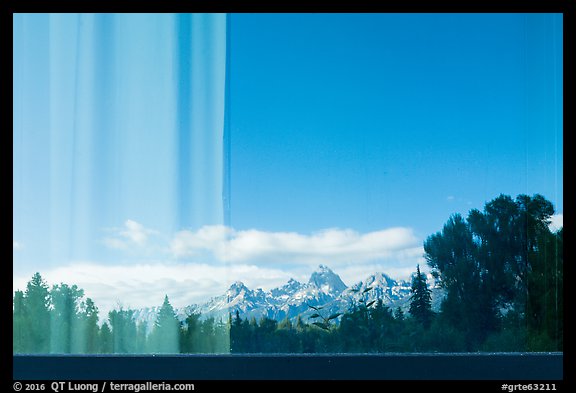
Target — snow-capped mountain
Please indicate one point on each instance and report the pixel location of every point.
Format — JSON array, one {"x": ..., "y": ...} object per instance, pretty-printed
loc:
[
  {"x": 326, "y": 281},
  {"x": 374, "y": 287},
  {"x": 238, "y": 297},
  {"x": 379, "y": 286},
  {"x": 288, "y": 301},
  {"x": 324, "y": 289},
  {"x": 287, "y": 290}
]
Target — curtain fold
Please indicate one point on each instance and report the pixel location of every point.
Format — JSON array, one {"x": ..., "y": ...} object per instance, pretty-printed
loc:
[{"x": 116, "y": 117}]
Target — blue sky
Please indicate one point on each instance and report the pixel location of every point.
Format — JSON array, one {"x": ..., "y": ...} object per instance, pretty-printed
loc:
[
  {"x": 352, "y": 138},
  {"x": 372, "y": 121}
]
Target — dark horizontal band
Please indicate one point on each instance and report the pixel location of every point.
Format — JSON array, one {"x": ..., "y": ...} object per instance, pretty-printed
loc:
[{"x": 477, "y": 366}]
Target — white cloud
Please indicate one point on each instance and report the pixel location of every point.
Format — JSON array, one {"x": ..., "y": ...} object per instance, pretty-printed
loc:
[
  {"x": 450, "y": 198},
  {"x": 557, "y": 222},
  {"x": 332, "y": 246},
  {"x": 16, "y": 245},
  {"x": 187, "y": 243},
  {"x": 144, "y": 285},
  {"x": 178, "y": 267},
  {"x": 132, "y": 236}
]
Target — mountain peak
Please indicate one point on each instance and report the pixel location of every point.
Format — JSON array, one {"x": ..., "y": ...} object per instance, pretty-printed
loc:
[
  {"x": 327, "y": 281},
  {"x": 236, "y": 288},
  {"x": 294, "y": 284},
  {"x": 288, "y": 289},
  {"x": 381, "y": 279},
  {"x": 237, "y": 285}
]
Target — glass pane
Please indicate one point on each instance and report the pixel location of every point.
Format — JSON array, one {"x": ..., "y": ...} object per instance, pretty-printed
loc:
[{"x": 287, "y": 183}]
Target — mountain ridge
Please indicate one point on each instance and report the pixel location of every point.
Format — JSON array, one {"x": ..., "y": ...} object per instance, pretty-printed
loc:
[{"x": 294, "y": 299}]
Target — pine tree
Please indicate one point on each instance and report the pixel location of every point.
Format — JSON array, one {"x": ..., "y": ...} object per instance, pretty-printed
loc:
[
  {"x": 190, "y": 334},
  {"x": 91, "y": 326},
  {"x": 123, "y": 330},
  {"x": 379, "y": 328},
  {"x": 208, "y": 334},
  {"x": 105, "y": 340},
  {"x": 238, "y": 334},
  {"x": 165, "y": 336},
  {"x": 265, "y": 335},
  {"x": 37, "y": 303},
  {"x": 421, "y": 299},
  {"x": 65, "y": 319},
  {"x": 20, "y": 324}
]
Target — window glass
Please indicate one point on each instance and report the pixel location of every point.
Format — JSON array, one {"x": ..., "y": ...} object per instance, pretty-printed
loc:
[{"x": 287, "y": 183}]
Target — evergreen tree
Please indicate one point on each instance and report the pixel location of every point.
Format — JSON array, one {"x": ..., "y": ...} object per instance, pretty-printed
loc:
[
  {"x": 91, "y": 326},
  {"x": 65, "y": 319},
  {"x": 208, "y": 343},
  {"x": 123, "y": 331},
  {"x": 36, "y": 304},
  {"x": 421, "y": 299},
  {"x": 353, "y": 329},
  {"x": 264, "y": 336},
  {"x": 105, "y": 339},
  {"x": 165, "y": 336},
  {"x": 20, "y": 324},
  {"x": 190, "y": 334},
  {"x": 239, "y": 334},
  {"x": 285, "y": 337},
  {"x": 452, "y": 254},
  {"x": 381, "y": 328}
]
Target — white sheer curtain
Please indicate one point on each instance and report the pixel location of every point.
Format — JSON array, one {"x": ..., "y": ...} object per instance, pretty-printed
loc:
[
  {"x": 115, "y": 117},
  {"x": 118, "y": 121}
]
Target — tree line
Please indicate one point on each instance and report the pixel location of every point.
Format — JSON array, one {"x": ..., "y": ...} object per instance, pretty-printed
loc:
[{"x": 501, "y": 270}]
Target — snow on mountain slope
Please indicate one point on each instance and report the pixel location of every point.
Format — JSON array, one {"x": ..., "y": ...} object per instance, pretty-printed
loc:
[
  {"x": 326, "y": 281},
  {"x": 324, "y": 289}
]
